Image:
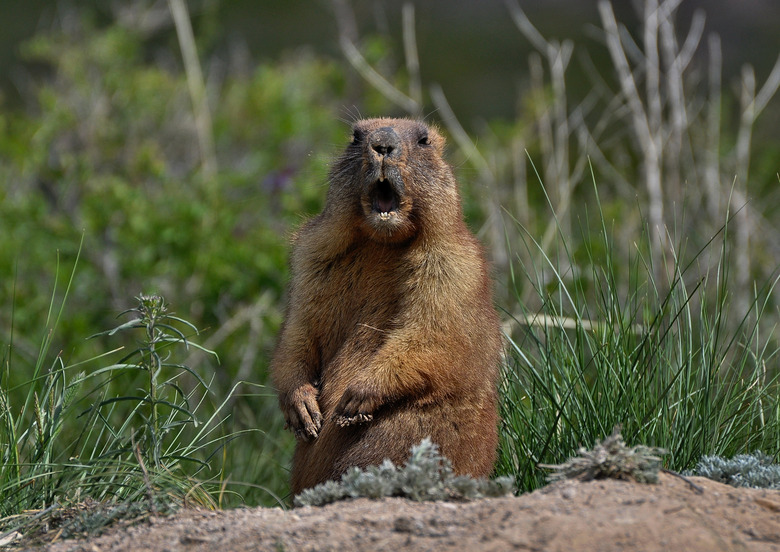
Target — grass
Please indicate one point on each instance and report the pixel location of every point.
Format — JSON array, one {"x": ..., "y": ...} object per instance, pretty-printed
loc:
[
  {"x": 144, "y": 451},
  {"x": 611, "y": 345}
]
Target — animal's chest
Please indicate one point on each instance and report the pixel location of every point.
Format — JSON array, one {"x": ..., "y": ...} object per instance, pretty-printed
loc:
[{"x": 361, "y": 290}]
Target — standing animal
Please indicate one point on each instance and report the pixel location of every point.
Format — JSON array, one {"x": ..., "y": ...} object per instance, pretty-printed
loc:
[{"x": 390, "y": 334}]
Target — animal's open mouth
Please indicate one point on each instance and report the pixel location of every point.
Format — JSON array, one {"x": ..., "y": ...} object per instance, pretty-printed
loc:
[{"x": 385, "y": 200}]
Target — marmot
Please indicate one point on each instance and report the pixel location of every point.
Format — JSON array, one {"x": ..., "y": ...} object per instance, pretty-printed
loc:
[{"x": 390, "y": 334}]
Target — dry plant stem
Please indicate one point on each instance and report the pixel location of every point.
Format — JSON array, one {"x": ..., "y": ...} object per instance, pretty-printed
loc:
[
  {"x": 520, "y": 187},
  {"x": 347, "y": 36},
  {"x": 690, "y": 483},
  {"x": 748, "y": 104},
  {"x": 458, "y": 134},
  {"x": 678, "y": 146},
  {"x": 345, "y": 19},
  {"x": 643, "y": 121},
  {"x": 675, "y": 63},
  {"x": 652, "y": 78},
  {"x": 550, "y": 153},
  {"x": 493, "y": 225},
  {"x": 568, "y": 323},
  {"x": 544, "y": 123},
  {"x": 376, "y": 80},
  {"x": 558, "y": 58},
  {"x": 411, "y": 55},
  {"x": 661, "y": 124},
  {"x": 752, "y": 105},
  {"x": 590, "y": 140},
  {"x": 712, "y": 160},
  {"x": 525, "y": 25},
  {"x": 738, "y": 199},
  {"x": 554, "y": 123},
  {"x": 196, "y": 85},
  {"x": 769, "y": 89},
  {"x": 147, "y": 482},
  {"x": 247, "y": 315}
]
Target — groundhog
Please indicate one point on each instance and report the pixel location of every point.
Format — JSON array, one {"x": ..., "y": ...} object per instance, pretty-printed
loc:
[{"x": 390, "y": 334}]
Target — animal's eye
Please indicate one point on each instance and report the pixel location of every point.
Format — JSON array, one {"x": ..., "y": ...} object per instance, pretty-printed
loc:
[{"x": 423, "y": 140}]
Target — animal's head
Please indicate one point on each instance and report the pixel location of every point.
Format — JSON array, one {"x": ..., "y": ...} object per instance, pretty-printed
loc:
[{"x": 394, "y": 178}]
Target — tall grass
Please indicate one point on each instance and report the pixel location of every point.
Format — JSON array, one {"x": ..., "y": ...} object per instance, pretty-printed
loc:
[
  {"x": 71, "y": 440},
  {"x": 672, "y": 362}
]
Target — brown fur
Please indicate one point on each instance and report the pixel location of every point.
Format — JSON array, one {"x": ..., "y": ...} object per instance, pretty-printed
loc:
[{"x": 390, "y": 334}]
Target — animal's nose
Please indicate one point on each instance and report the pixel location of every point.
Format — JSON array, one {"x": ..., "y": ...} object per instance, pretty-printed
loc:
[{"x": 385, "y": 141}]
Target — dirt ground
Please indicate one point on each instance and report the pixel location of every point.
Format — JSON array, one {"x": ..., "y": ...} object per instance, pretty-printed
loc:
[{"x": 605, "y": 515}]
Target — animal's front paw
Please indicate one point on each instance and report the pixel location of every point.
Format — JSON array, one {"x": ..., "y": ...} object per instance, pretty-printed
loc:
[
  {"x": 302, "y": 412},
  {"x": 355, "y": 407}
]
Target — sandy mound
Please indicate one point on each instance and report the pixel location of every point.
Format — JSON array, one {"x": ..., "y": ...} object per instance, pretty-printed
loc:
[{"x": 599, "y": 515}]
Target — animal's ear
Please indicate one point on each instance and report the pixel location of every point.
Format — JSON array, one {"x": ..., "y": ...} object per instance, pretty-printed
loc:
[{"x": 357, "y": 136}]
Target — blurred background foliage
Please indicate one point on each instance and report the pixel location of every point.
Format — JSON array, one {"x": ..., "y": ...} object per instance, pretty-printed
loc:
[{"x": 100, "y": 137}]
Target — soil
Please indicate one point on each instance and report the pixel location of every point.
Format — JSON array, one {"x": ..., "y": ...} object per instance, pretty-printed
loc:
[{"x": 606, "y": 515}]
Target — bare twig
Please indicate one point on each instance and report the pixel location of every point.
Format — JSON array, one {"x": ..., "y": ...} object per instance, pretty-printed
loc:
[
  {"x": 490, "y": 203},
  {"x": 458, "y": 133},
  {"x": 347, "y": 39},
  {"x": 345, "y": 19},
  {"x": 145, "y": 472},
  {"x": 675, "y": 61},
  {"x": 410, "y": 53},
  {"x": 525, "y": 25},
  {"x": 691, "y": 484},
  {"x": 738, "y": 197},
  {"x": 712, "y": 139},
  {"x": 376, "y": 80},
  {"x": 196, "y": 85},
  {"x": 542, "y": 320},
  {"x": 247, "y": 316},
  {"x": 520, "y": 187},
  {"x": 646, "y": 123},
  {"x": 769, "y": 89},
  {"x": 752, "y": 104},
  {"x": 692, "y": 41},
  {"x": 554, "y": 129}
]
